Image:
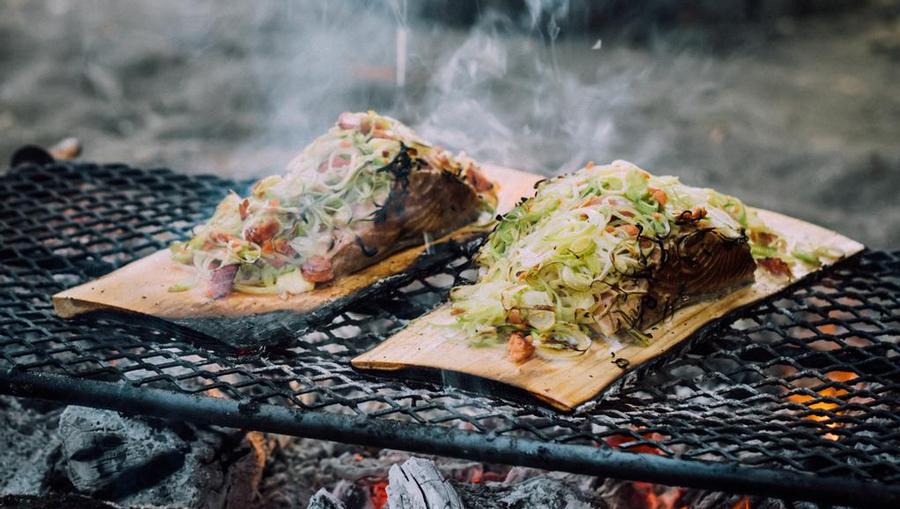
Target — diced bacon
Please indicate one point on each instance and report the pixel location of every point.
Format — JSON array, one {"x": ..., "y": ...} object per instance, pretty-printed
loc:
[
  {"x": 518, "y": 348},
  {"x": 244, "y": 209},
  {"x": 339, "y": 162},
  {"x": 592, "y": 200},
  {"x": 659, "y": 195},
  {"x": 385, "y": 134},
  {"x": 283, "y": 246},
  {"x": 221, "y": 281},
  {"x": 776, "y": 266},
  {"x": 220, "y": 237},
  {"x": 365, "y": 125},
  {"x": 691, "y": 216},
  {"x": 336, "y": 162},
  {"x": 763, "y": 238},
  {"x": 262, "y": 230},
  {"x": 317, "y": 269},
  {"x": 630, "y": 229}
]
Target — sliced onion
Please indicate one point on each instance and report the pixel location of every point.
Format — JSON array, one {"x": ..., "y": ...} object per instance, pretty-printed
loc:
[
  {"x": 575, "y": 280},
  {"x": 541, "y": 320},
  {"x": 534, "y": 298}
]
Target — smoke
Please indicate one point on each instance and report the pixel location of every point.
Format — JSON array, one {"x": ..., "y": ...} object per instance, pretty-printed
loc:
[
  {"x": 513, "y": 88},
  {"x": 791, "y": 116}
]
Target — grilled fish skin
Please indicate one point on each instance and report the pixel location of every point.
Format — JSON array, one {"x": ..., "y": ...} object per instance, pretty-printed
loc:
[
  {"x": 698, "y": 262},
  {"x": 424, "y": 201}
]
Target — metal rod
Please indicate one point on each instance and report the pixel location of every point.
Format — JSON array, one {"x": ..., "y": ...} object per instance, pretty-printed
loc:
[{"x": 445, "y": 441}]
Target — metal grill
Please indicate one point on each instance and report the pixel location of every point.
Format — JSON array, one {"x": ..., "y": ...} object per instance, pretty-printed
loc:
[{"x": 796, "y": 397}]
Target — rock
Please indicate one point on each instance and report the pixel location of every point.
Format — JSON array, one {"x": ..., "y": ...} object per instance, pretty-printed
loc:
[{"x": 417, "y": 484}]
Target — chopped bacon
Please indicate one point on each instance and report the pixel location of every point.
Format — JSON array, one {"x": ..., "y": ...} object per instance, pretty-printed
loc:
[
  {"x": 592, "y": 200},
  {"x": 519, "y": 348},
  {"x": 338, "y": 162},
  {"x": 220, "y": 237},
  {"x": 763, "y": 238},
  {"x": 221, "y": 281},
  {"x": 283, "y": 246},
  {"x": 630, "y": 229},
  {"x": 262, "y": 230},
  {"x": 365, "y": 125},
  {"x": 514, "y": 316},
  {"x": 691, "y": 216},
  {"x": 385, "y": 134},
  {"x": 317, "y": 269},
  {"x": 776, "y": 266},
  {"x": 244, "y": 209}
]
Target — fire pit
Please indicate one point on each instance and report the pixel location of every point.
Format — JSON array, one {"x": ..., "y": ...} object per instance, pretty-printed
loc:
[{"x": 796, "y": 398}]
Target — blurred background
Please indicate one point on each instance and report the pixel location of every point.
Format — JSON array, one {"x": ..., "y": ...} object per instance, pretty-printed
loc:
[{"x": 792, "y": 105}]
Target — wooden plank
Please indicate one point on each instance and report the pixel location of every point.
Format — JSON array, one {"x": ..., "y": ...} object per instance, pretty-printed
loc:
[
  {"x": 142, "y": 287},
  {"x": 429, "y": 342}
]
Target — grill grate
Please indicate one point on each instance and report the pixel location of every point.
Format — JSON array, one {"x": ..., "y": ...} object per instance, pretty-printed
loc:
[{"x": 794, "y": 397}]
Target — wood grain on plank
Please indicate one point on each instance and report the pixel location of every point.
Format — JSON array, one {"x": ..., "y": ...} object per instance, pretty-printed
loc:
[{"x": 429, "y": 342}]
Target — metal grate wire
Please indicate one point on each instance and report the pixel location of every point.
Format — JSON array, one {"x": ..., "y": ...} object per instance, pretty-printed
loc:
[{"x": 794, "y": 397}]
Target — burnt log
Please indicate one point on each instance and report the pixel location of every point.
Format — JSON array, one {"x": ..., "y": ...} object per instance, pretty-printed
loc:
[{"x": 142, "y": 461}]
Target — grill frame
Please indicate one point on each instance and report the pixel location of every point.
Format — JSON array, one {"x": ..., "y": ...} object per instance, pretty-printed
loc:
[{"x": 81, "y": 362}]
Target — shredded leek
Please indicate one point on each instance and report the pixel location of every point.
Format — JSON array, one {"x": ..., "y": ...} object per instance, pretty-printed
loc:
[
  {"x": 563, "y": 267},
  {"x": 335, "y": 183}
]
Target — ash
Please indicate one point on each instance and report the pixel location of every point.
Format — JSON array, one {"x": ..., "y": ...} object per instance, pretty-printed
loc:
[
  {"x": 78, "y": 457},
  {"x": 790, "y": 105}
]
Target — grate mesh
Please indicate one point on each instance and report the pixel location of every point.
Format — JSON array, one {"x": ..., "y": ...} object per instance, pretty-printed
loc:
[{"x": 806, "y": 382}]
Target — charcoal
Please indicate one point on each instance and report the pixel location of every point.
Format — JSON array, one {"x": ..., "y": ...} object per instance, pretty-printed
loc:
[
  {"x": 142, "y": 461},
  {"x": 324, "y": 500},
  {"x": 28, "y": 446},
  {"x": 352, "y": 495},
  {"x": 536, "y": 492},
  {"x": 55, "y": 501}
]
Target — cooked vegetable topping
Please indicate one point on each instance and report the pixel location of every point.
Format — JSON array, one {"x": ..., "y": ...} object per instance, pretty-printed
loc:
[
  {"x": 573, "y": 263},
  {"x": 275, "y": 240}
]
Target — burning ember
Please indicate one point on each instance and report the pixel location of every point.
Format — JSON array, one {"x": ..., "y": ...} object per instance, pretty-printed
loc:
[{"x": 822, "y": 411}]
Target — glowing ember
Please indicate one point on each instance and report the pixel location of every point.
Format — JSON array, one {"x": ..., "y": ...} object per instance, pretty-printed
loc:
[
  {"x": 821, "y": 409},
  {"x": 656, "y": 496},
  {"x": 743, "y": 503},
  {"x": 378, "y": 493}
]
